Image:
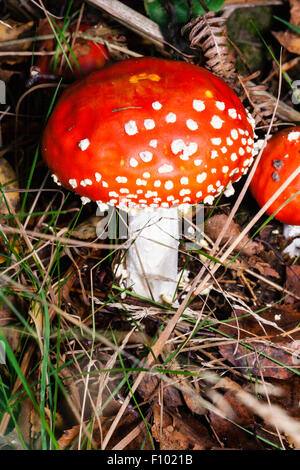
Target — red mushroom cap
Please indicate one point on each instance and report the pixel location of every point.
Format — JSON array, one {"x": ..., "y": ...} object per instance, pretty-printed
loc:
[
  {"x": 280, "y": 158},
  {"x": 150, "y": 132},
  {"x": 90, "y": 56}
]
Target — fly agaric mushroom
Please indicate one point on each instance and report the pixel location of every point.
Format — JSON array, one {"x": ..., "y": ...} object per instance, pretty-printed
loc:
[
  {"x": 149, "y": 134},
  {"x": 90, "y": 55},
  {"x": 280, "y": 158}
]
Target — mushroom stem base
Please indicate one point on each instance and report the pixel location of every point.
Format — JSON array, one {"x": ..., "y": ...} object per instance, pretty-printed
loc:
[{"x": 152, "y": 259}]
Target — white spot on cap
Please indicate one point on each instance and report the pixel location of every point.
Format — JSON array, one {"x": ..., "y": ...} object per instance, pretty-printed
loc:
[
  {"x": 131, "y": 128},
  {"x": 293, "y": 136},
  {"x": 201, "y": 177},
  {"x": 197, "y": 162},
  {"x": 229, "y": 141},
  {"x": 216, "y": 122},
  {"x": 86, "y": 182},
  {"x": 156, "y": 105},
  {"x": 232, "y": 113},
  {"x": 73, "y": 183},
  {"x": 210, "y": 188},
  {"x": 220, "y": 105},
  {"x": 216, "y": 141},
  {"x": 233, "y": 157},
  {"x": 55, "y": 179},
  {"x": 102, "y": 206},
  {"x": 198, "y": 105},
  {"x": 141, "y": 182},
  {"x": 146, "y": 156},
  {"x": 191, "y": 124},
  {"x": 151, "y": 194},
  {"x": 83, "y": 144},
  {"x": 189, "y": 150},
  {"x": 214, "y": 154},
  {"x": 199, "y": 194},
  {"x": 170, "y": 118},
  {"x": 104, "y": 184},
  {"x": 165, "y": 204},
  {"x": 246, "y": 162},
  {"x": 209, "y": 200},
  {"x": 229, "y": 190},
  {"x": 149, "y": 124},
  {"x": 184, "y": 180},
  {"x": 169, "y": 185},
  {"x": 153, "y": 143},
  {"x": 113, "y": 194},
  {"x": 170, "y": 198},
  {"x": 241, "y": 151},
  {"x": 225, "y": 169},
  {"x": 224, "y": 149},
  {"x": 177, "y": 146},
  {"x": 133, "y": 162},
  {"x": 234, "y": 171},
  {"x": 98, "y": 177},
  {"x": 165, "y": 168},
  {"x": 124, "y": 190},
  {"x": 183, "y": 192},
  {"x": 85, "y": 200},
  {"x": 157, "y": 183},
  {"x": 234, "y": 134},
  {"x": 146, "y": 174},
  {"x": 121, "y": 179},
  {"x": 214, "y": 170}
]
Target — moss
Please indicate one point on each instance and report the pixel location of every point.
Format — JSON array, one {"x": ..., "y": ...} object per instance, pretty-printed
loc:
[{"x": 241, "y": 27}]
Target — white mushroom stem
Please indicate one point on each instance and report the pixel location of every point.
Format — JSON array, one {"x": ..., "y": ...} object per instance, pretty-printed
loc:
[
  {"x": 152, "y": 259},
  {"x": 292, "y": 231}
]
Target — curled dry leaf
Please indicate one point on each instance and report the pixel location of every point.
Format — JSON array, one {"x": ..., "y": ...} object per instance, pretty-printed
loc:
[
  {"x": 8, "y": 181},
  {"x": 175, "y": 432},
  {"x": 281, "y": 343},
  {"x": 216, "y": 223}
]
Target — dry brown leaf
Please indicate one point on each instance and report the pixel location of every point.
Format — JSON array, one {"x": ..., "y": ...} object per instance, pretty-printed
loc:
[
  {"x": 292, "y": 282},
  {"x": 8, "y": 181},
  {"x": 288, "y": 39},
  {"x": 228, "y": 431},
  {"x": 179, "y": 433},
  {"x": 6, "y": 314},
  {"x": 128, "y": 422},
  {"x": 262, "y": 267},
  {"x": 216, "y": 223},
  {"x": 89, "y": 228},
  {"x": 267, "y": 340},
  {"x": 11, "y": 30},
  {"x": 29, "y": 424},
  {"x": 149, "y": 390}
]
